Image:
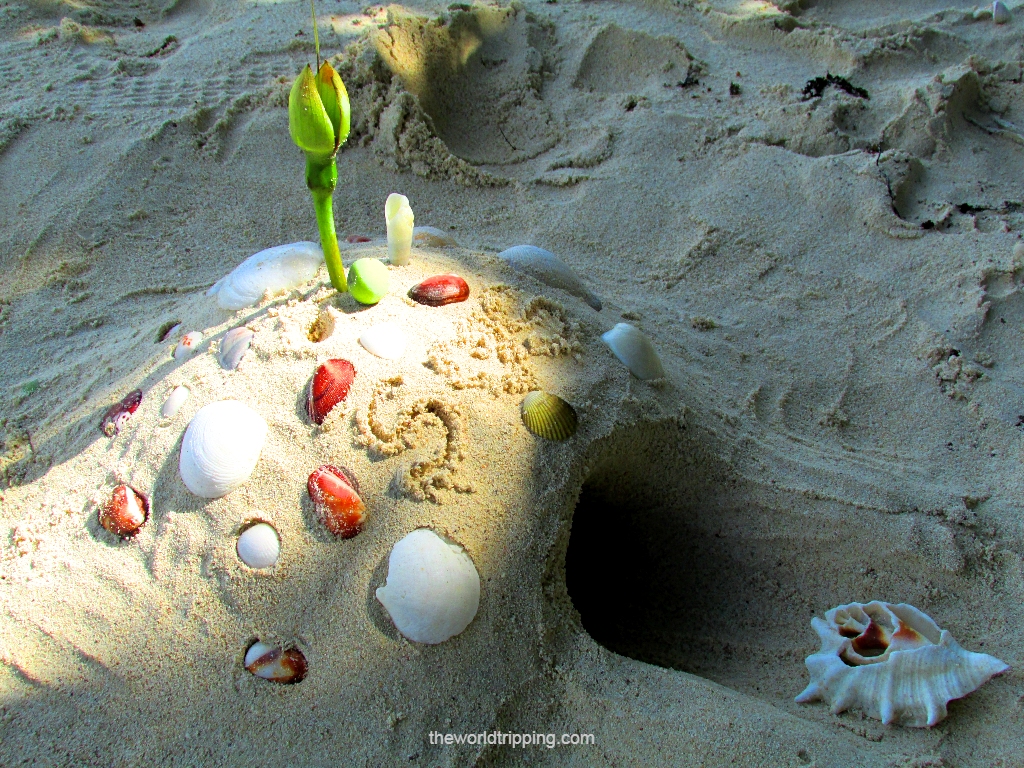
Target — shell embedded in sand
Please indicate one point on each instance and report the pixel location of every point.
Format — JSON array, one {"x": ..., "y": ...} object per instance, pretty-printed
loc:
[
  {"x": 174, "y": 401},
  {"x": 335, "y": 494},
  {"x": 548, "y": 416},
  {"x": 439, "y": 290},
  {"x": 433, "y": 590},
  {"x": 384, "y": 340},
  {"x": 329, "y": 386},
  {"x": 187, "y": 345},
  {"x": 550, "y": 270},
  {"x": 892, "y": 662},
  {"x": 275, "y": 664},
  {"x": 635, "y": 351},
  {"x": 258, "y": 546},
  {"x": 274, "y": 270},
  {"x": 233, "y": 347},
  {"x": 220, "y": 448},
  {"x": 125, "y": 511},
  {"x": 119, "y": 413},
  {"x": 1000, "y": 13},
  {"x": 432, "y": 237},
  {"x": 399, "y": 217}
]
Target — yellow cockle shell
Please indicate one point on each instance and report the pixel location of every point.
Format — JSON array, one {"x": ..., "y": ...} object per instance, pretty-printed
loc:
[{"x": 549, "y": 416}]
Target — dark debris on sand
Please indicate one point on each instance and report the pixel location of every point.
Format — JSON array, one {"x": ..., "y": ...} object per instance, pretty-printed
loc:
[{"x": 816, "y": 86}]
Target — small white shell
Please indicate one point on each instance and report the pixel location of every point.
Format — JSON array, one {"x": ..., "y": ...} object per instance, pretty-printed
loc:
[
  {"x": 433, "y": 590},
  {"x": 1000, "y": 13},
  {"x": 550, "y": 270},
  {"x": 432, "y": 237},
  {"x": 275, "y": 270},
  {"x": 635, "y": 351},
  {"x": 174, "y": 401},
  {"x": 258, "y": 546},
  {"x": 384, "y": 340},
  {"x": 892, "y": 662},
  {"x": 187, "y": 345},
  {"x": 399, "y": 217},
  {"x": 220, "y": 448}
]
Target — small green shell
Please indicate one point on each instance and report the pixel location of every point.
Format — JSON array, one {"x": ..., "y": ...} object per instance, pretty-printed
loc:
[{"x": 548, "y": 416}]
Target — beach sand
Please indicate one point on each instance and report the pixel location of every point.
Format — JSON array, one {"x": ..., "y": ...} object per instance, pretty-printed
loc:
[{"x": 833, "y": 283}]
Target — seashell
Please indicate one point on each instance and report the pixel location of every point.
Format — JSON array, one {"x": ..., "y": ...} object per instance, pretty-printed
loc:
[
  {"x": 384, "y": 340},
  {"x": 119, "y": 413},
  {"x": 439, "y": 290},
  {"x": 1000, "y": 13},
  {"x": 357, "y": 239},
  {"x": 335, "y": 494},
  {"x": 399, "y": 218},
  {"x": 220, "y": 448},
  {"x": 432, "y": 237},
  {"x": 892, "y": 662},
  {"x": 433, "y": 589},
  {"x": 328, "y": 387},
  {"x": 368, "y": 280},
  {"x": 548, "y": 416},
  {"x": 258, "y": 546},
  {"x": 233, "y": 347},
  {"x": 168, "y": 331},
  {"x": 275, "y": 664},
  {"x": 187, "y": 345},
  {"x": 273, "y": 271},
  {"x": 174, "y": 401},
  {"x": 550, "y": 270},
  {"x": 125, "y": 511},
  {"x": 635, "y": 351}
]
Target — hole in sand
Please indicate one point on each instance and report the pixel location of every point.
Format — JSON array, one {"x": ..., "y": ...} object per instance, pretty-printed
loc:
[{"x": 321, "y": 328}]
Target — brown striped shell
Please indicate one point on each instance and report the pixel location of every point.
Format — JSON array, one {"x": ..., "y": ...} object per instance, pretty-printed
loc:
[{"x": 439, "y": 290}]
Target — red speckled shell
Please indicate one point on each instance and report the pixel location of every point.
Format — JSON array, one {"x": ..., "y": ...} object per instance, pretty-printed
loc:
[
  {"x": 335, "y": 495},
  {"x": 439, "y": 290},
  {"x": 119, "y": 413},
  {"x": 124, "y": 514},
  {"x": 329, "y": 386},
  {"x": 280, "y": 666}
]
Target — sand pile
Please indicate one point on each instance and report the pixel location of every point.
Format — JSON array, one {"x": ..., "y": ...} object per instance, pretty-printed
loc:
[{"x": 813, "y": 210}]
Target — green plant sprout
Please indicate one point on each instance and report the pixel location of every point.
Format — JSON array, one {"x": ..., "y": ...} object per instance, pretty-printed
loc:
[{"x": 319, "y": 121}]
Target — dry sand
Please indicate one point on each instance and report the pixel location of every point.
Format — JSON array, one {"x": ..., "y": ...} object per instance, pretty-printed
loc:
[{"x": 834, "y": 285}]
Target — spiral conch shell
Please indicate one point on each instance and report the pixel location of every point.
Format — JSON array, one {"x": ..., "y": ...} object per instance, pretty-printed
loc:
[
  {"x": 220, "y": 448},
  {"x": 893, "y": 662}
]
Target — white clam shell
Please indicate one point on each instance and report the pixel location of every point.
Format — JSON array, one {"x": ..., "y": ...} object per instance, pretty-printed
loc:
[
  {"x": 550, "y": 270},
  {"x": 188, "y": 344},
  {"x": 1000, "y": 13},
  {"x": 174, "y": 401},
  {"x": 433, "y": 590},
  {"x": 921, "y": 669},
  {"x": 384, "y": 340},
  {"x": 432, "y": 237},
  {"x": 399, "y": 217},
  {"x": 635, "y": 351},
  {"x": 220, "y": 448},
  {"x": 258, "y": 546},
  {"x": 274, "y": 270}
]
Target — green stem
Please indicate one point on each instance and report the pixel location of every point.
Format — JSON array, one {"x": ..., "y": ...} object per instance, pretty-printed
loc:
[{"x": 321, "y": 179}]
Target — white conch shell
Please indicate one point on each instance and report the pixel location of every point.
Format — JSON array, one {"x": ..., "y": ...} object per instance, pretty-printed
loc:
[
  {"x": 635, "y": 351},
  {"x": 384, "y": 340},
  {"x": 275, "y": 270},
  {"x": 220, "y": 448},
  {"x": 892, "y": 662},
  {"x": 549, "y": 269},
  {"x": 399, "y": 218},
  {"x": 433, "y": 590},
  {"x": 432, "y": 237}
]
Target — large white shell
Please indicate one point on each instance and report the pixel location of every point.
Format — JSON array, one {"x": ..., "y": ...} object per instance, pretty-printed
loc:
[
  {"x": 433, "y": 589},
  {"x": 399, "y": 217},
  {"x": 635, "y": 351},
  {"x": 275, "y": 270},
  {"x": 258, "y": 546},
  {"x": 549, "y": 269},
  {"x": 384, "y": 340},
  {"x": 892, "y": 662},
  {"x": 220, "y": 448}
]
